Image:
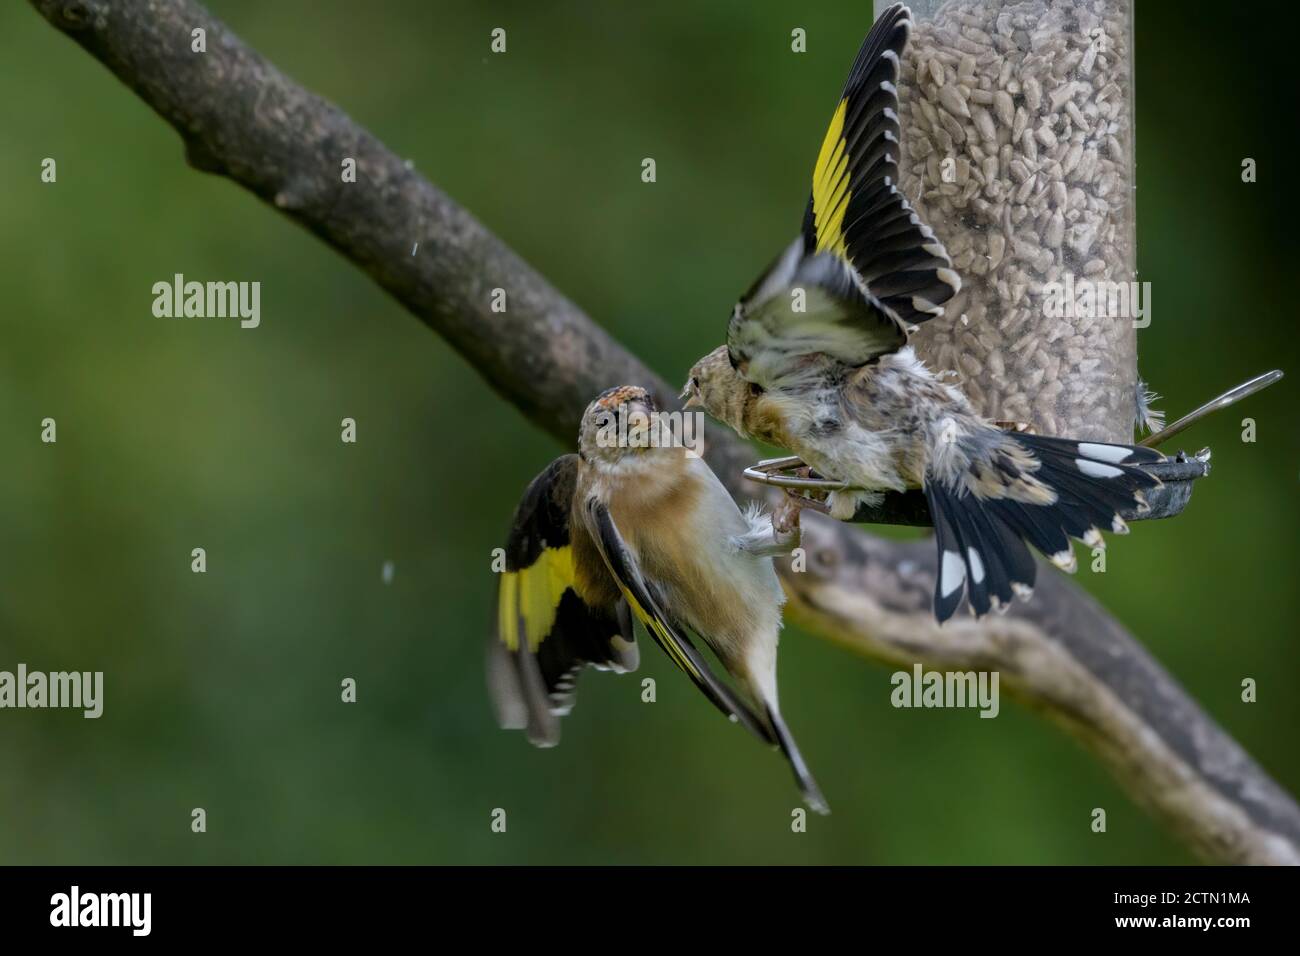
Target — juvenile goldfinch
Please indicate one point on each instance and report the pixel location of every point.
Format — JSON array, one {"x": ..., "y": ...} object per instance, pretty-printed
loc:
[
  {"x": 817, "y": 362},
  {"x": 634, "y": 528}
]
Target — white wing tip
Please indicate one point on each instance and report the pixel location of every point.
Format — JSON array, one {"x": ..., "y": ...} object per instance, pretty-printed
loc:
[
  {"x": 950, "y": 277},
  {"x": 1065, "y": 560},
  {"x": 926, "y": 307}
]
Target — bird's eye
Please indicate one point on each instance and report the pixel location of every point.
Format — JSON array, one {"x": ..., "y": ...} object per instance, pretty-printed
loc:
[
  {"x": 755, "y": 389},
  {"x": 695, "y": 384}
]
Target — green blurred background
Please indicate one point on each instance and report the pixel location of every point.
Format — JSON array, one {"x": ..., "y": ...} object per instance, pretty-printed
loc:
[{"x": 223, "y": 689}]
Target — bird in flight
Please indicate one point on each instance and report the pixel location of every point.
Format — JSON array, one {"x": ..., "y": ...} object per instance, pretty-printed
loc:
[
  {"x": 634, "y": 528},
  {"x": 817, "y": 361}
]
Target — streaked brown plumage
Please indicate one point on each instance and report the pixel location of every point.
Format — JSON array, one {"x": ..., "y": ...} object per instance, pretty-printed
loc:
[{"x": 817, "y": 362}]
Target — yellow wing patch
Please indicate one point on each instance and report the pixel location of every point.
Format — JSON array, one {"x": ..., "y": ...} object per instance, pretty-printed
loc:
[
  {"x": 531, "y": 596},
  {"x": 830, "y": 193},
  {"x": 664, "y": 637}
]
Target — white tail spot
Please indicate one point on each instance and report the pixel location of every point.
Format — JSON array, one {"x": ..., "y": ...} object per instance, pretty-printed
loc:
[
  {"x": 952, "y": 574},
  {"x": 1095, "y": 469},
  {"x": 1112, "y": 453}
]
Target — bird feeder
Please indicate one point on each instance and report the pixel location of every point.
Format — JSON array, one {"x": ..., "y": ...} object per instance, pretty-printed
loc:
[{"x": 1017, "y": 150}]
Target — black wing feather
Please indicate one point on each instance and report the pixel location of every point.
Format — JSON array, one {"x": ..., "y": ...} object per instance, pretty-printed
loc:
[
  {"x": 856, "y": 207},
  {"x": 856, "y": 224},
  {"x": 546, "y": 632}
]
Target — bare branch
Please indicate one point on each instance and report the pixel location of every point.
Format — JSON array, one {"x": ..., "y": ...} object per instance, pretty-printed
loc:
[{"x": 1061, "y": 654}]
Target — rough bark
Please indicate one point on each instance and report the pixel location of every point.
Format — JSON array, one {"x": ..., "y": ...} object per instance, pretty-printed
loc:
[{"x": 1061, "y": 654}]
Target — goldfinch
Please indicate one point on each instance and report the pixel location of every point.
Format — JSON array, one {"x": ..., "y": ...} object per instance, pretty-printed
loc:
[
  {"x": 817, "y": 362},
  {"x": 635, "y": 528}
]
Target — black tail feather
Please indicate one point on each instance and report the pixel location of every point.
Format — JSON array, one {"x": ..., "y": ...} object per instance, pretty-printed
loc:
[
  {"x": 1015, "y": 560},
  {"x": 982, "y": 539},
  {"x": 1037, "y": 526},
  {"x": 948, "y": 590},
  {"x": 973, "y": 548}
]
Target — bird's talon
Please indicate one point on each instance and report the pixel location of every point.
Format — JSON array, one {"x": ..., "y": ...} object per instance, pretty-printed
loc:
[
  {"x": 785, "y": 517},
  {"x": 811, "y": 504}
]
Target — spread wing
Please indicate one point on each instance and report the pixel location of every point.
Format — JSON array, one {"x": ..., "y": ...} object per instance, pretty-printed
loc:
[
  {"x": 856, "y": 209},
  {"x": 856, "y": 216},
  {"x": 546, "y": 634},
  {"x": 641, "y": 594},
  {"x": 804, "y": 307}
]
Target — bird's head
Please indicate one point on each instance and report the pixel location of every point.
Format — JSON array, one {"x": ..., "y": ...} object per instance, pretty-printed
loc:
[
  {"x": 620, "y": 422},
  {"x": 715, "y": 386}
]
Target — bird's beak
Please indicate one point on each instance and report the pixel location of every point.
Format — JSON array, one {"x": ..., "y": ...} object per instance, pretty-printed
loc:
[{"x": 691, "y": 399}]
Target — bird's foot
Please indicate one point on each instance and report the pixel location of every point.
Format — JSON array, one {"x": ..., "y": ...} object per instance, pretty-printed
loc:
[{"x": 785, "y": 518}]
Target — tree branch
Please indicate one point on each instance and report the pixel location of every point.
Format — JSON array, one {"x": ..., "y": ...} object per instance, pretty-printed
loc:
[{"x": 1062, "y": 654}]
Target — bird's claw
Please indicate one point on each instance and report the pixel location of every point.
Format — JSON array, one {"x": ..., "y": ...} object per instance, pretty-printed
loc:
[
  {"x": 803, "y": 501},
  {"x": 799, "y": 501},
  {"x": 785, "y": 517}
]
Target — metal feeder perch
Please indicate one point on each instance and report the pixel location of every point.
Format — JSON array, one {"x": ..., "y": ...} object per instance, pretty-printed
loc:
[{"x": 1176, "y": 473}]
